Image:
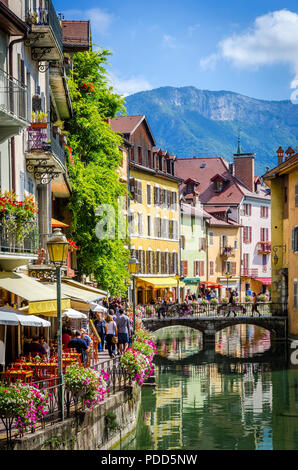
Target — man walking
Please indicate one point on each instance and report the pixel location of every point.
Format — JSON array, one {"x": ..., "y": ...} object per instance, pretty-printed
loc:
[
  {"x": 124, "y": 332},
  {"x": 79, "y": 344}
]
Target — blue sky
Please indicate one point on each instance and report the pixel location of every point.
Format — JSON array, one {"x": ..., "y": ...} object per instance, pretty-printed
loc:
[{"x": 247, "y": 47}]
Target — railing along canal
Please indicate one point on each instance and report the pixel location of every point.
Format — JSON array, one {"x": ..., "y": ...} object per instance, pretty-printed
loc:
[
  {"x": 73, "y": 403},
  {"x": 195, "y": 309}
]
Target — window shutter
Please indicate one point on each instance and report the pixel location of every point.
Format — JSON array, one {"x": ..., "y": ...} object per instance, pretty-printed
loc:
[
  {"x": 244, "y": 234},
  {"x": 171, "y": 231},
  {"x": 296, "y": 195},
  {"x": 168, "y": 199},
  {"x": 185, "y": 268},
  {"x": 148, "y": 194},
  {"x": 295, "y": 294},
  {"x": 267, "y": 234},
  {"x": 223, "y": 267},
  {"x": 211, "y": 268},
  {"x": 202, "y": 268},
  {"x": 147, "y": 262},
  {"x": 233, "y": 268},
  {"x": 183, "y": 241},
  {"x": 195, "y": 268},
  {"x": 249, "y": 234},
  {"x": 293, "y": 239}
]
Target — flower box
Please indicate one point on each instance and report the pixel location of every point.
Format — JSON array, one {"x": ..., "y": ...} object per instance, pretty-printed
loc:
[{"x": 39, "y": 125}]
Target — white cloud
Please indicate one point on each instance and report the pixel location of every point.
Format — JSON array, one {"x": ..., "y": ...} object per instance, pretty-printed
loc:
[
  {"x": 209, "y": 62},
  {"x": 273, "y": 39},
  {"x": 129, "y": 86},
  {"x": 169, "y": 41},
  {"x": 100, "y": 20}
]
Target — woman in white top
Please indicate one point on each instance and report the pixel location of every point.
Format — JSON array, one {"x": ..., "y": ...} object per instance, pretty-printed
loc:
[{"x": 111, "y": 330}]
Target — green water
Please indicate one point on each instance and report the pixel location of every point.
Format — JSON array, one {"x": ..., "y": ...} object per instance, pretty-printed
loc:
[{"x": 242, "y": 396}]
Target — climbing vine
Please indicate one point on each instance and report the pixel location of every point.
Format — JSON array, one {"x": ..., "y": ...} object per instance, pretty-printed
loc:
[{"x": 93, "y": 170}]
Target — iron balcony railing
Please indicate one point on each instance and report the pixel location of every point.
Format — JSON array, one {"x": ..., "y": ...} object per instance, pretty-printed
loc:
[
  {"x": 45, "y": 139},
  {"x": 250, "y": 272},
  {"x": 13, "y": 96},
  {"x": 44, "y": 15},
  {"x": 13, "y": 241}
]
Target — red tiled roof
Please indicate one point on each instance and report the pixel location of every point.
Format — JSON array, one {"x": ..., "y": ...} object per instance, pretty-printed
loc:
[
  {"x": 76, "y": 34},
  {"x": 214, "y": 209},
  {"x": 233, "y": 190},
  {"x": 126, "y": 124},
  {"x": 223, "y": 223}
]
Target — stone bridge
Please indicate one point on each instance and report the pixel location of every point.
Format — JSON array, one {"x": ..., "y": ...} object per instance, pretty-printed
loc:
[{"x": 277, "y": 325}]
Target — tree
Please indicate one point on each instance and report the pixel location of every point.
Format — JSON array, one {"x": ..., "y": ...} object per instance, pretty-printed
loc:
[{"x": 95, "y": 159}]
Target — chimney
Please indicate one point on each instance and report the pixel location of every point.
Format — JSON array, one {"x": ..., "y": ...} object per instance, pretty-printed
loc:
[
  {"x": 280, "y": 155},
  {"x": 231, "y": 168},
  {"x": 244, "y": 168},
  {"x": 289, "y": 153}
]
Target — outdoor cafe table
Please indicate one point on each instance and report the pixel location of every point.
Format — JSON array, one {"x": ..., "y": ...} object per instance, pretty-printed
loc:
[{"x": 17, "y": 374}]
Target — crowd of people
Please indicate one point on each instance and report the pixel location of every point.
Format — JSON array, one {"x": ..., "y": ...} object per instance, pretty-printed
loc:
[{"x": 115, "y": 330}]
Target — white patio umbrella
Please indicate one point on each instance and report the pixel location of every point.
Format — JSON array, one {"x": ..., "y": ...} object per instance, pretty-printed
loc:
[
  {"x": 99, "y": 308},
  {"x": 10, "y": 317},
  {"x": 75, "y": 314}
]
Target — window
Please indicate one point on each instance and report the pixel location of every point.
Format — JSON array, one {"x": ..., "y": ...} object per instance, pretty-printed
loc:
[
  {"x": 211, "y": 238},
  {"x": 264, "y": 212},
  {"x": 131, "y": 223},
  {"x": 140, "y": 157},
  {"x": 132, "y": 154},
  {"x": 247, "y": 234},
  {"x": 156, "y": 196},
  {"x": 296, "y": 195},
  {"x": 199, "y": 268},
  {"x": 157, "y": 227},
  {"x": 149, "y": 225},
  {"x": 236, "y": 244},
  {"x": 295, "y": 239},
  {"x": 211, "y": 268},
  {"x": 247, "y": 209},
  {"x": 140, "y": 224},
  {"x": 295, "y": 293},
  {"x": 245, "y": 260},
  {"x": 138, "y": 191},
  {"x": 264, "y": 234},
  {"x": 174, "y": 200},
  {"x": 149, "y": 159},
  {"x": 148, "y": 194},
  {"x": 264, "y": 263}
]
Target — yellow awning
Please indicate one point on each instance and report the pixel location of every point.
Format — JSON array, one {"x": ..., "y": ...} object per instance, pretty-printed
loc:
[
  {"x": 41, "y": 299},
  {"x": 78, "y": 293},
  {"x": 160, "y": 282}
]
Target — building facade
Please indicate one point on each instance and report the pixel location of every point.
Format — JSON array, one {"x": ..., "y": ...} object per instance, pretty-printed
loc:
[
  {"x": 153, "y": 210},
  {"x": 283, "y": 183},
  {"x": 231, "y": 191}
]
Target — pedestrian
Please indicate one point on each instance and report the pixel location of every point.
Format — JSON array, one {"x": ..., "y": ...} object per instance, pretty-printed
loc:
[
  {"x": 66, "y": 336},
  {"x": 123, "y": 328},
  {"x": 111, "y": 332},
  {"x": 45, "y": 345},
  {"x": 79, "y": 344},
  {"x": 255, "y": 304},
  {"x": 232, "y": 303},
  {"x": 100, "y": 327},
  {"x": 162, "y": 308}
]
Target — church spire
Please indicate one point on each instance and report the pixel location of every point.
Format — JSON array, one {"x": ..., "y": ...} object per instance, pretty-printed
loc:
[{"x": 239, "y": 145}]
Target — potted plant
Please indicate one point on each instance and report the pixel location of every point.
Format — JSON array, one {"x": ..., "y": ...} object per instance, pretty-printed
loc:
[
  {"x": 224, "y": 301},
  {"x": 39, "y": 120}
]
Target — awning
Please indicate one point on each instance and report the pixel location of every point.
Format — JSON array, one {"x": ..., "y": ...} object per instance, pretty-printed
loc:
[
  {"x": 191, "y": 280},
  {"x": 57, "y": 223},
  {"x": 41, "y": 299},
  {"x": 83, "y": 294},
  {"x": 11, "y": 317},
  {"x": 79, "y": 285},
  {"x": 214, "y": 285},
  {"x": 266, "y": 281},
  {"x": 98, "y": 308},
  {"x": 160, "y": 282},
  {"x": 75, "y": 314}
]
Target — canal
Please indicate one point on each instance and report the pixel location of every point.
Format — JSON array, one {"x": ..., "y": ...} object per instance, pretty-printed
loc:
[{"x": 242, "y": 396}]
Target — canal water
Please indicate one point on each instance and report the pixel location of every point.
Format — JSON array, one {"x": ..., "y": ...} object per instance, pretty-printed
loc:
[{"x": 241, "y": 396}]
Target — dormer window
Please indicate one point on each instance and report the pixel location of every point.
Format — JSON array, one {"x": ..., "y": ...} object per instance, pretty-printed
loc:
[
  {"x": 191, "y": 185},
  {"x": 219, "y": 182}
]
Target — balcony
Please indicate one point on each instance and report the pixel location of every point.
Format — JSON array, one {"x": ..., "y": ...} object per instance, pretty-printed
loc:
[
  {"x": 13, "y": 106},
  {"x": 247, "y": 272},
  {"x": 227, "y": 252},
  {"x": 17, "y": 250},
  {"x": 264, "y": 248},
  {"x": 45, "y": 155},
  {"x": 45, "y": 37}
]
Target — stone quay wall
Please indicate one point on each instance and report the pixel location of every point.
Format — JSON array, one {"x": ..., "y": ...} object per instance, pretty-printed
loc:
[{"x": 99, "y": 429}]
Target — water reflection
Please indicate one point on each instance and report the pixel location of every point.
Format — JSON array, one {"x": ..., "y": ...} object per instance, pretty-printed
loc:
[{"x": 237, "y": 401}]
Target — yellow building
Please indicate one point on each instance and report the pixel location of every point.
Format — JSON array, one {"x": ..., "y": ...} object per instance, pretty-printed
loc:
[
  {"x": 223, "y": 255},
  {"x": 283, "y": 182},
  {"x": 153, "y": 212}
]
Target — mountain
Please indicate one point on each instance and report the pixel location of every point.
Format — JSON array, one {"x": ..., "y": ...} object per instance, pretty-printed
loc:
[{"x": 191, "y": 122}]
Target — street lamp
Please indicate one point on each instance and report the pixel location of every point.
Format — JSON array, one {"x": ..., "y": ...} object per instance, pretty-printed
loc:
[
  {"x": 274, "y": 249},
  {"x": 133, "y": 268},
  {"x": 58, "y": 248}
]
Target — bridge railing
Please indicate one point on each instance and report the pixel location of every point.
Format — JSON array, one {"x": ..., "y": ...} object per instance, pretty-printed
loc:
[{"x": 195, "y": 309}]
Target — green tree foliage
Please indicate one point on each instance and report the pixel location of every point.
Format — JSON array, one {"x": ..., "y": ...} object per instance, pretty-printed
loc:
[{"x": 93, "y": 170}]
